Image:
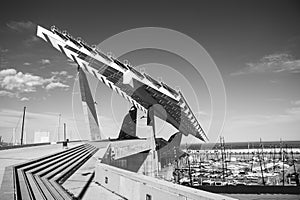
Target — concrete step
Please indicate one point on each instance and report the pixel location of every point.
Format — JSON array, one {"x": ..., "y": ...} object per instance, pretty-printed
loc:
[
  {"x": 42, "y": 178},
  {"x": 52, "y": 167}
]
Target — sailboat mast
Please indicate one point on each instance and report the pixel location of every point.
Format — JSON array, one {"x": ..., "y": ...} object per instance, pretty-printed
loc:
[
  {"x": 274, "y": 158},
  {"x": 223, "y": 170},
  {"x": 261, "y": 169},
  {"x": 225, "y": 156}
]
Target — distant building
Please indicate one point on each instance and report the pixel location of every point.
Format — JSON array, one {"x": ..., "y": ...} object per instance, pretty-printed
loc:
[{"x": 41, "y": 136}]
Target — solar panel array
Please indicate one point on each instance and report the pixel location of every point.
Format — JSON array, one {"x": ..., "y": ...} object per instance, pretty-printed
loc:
[{"x": 141, "y": 90}]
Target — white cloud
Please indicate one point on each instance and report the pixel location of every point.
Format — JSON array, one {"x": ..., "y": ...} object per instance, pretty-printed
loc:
[
  {"x": 26, "y": 63},
  {"x": 295, "y": 111},
  {"x": 64, "y": 73},
  {"x": 7, "y": 72},
  {"x": 14, "y": 82},
  {"x": 272, "y": 63},
  {"x": 54, "y": 85},
  {"x": 54, "y": 73},
  {"x": 24, "y": 99},
  {"x": 45, "y": 61},
  {"x": 297, "y": 103},
  {"x": 4, "y": 93},
  {"x": 20, "y": 82},
  {"x": 21, "y": 25}
]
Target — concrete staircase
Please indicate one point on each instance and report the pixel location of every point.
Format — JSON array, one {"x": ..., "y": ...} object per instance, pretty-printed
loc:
[{"x": 43, "y": 178}]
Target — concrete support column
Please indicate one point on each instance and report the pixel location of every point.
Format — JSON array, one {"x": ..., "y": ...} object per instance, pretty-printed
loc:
[{"x": 150, "y": 166}]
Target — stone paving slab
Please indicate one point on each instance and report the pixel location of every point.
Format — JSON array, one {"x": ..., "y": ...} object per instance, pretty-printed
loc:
[{"x": 78, "y": 180}]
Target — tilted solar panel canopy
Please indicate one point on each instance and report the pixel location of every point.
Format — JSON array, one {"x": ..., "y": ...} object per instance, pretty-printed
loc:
[{"x": 140, "y": 89}]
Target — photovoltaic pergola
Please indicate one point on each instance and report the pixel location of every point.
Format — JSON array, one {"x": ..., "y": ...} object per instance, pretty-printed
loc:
[{"x": 140, "y": 89}]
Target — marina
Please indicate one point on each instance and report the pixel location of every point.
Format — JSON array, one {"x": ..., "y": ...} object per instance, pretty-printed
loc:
[{"x": 227, "y": 169}]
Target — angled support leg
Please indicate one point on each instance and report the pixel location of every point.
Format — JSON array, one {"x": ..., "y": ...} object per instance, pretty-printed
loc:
[{"x": 88, "y": 104}]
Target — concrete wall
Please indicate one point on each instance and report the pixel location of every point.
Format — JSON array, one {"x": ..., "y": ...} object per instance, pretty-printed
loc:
[{"x": 135, "y": 186}]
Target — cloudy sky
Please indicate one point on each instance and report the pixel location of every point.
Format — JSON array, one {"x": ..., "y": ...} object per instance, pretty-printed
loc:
[{"x": 255, "y": 44}]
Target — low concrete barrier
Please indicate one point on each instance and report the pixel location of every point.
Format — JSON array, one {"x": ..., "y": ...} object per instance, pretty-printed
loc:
[
  {"x": 23, "y": 146},
  {"x": 36, "y": 144},
  {"x": 133, "y": 186}
]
